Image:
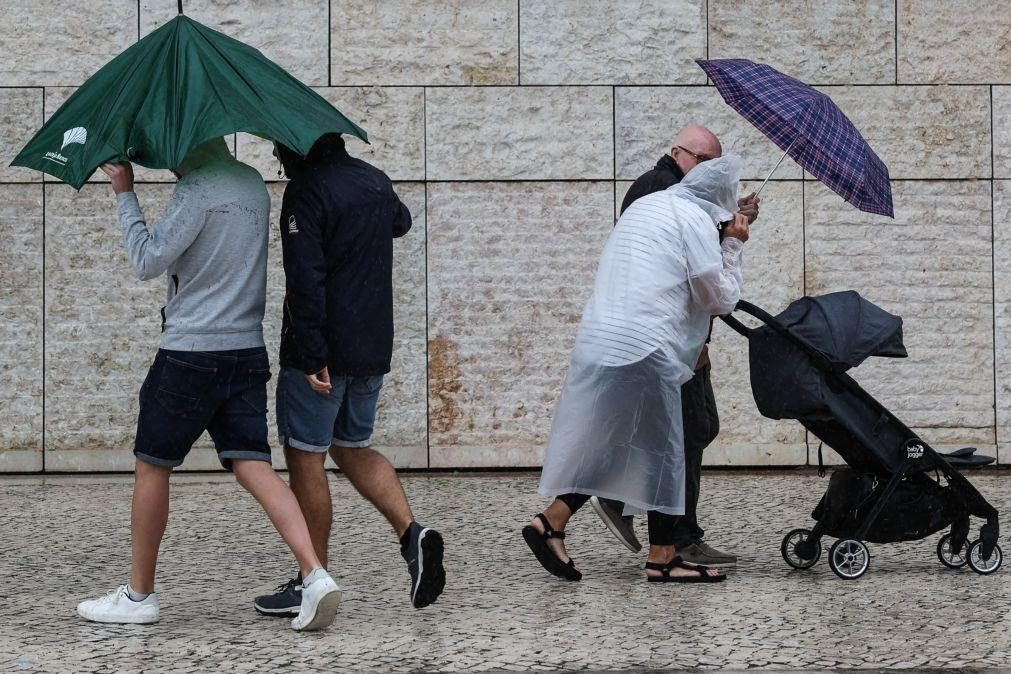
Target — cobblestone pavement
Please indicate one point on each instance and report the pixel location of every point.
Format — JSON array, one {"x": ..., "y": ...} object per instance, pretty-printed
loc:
[{"x": 67, "y": 539}]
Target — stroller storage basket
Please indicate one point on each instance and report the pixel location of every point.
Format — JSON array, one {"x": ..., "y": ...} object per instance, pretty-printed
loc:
[{"x": 918, "y": 507}]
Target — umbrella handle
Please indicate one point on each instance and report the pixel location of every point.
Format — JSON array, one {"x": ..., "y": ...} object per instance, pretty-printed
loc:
[{"x": 770, "y": 172}]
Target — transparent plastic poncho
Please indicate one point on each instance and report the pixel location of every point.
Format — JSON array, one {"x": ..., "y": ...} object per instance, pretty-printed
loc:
[{"x": 617, "y": 431}]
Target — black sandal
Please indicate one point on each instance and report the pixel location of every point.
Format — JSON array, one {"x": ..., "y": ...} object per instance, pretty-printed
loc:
[
  {"x": 678, "y": 563},
  {"x": 538, "y": 543}
]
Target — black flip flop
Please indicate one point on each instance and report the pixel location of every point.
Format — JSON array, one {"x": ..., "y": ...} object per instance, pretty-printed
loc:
[
  {"x": 538, "y": 543},
  {"x": 678, "y": 563}
]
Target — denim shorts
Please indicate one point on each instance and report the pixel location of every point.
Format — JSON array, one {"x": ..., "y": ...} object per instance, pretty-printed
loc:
[
  {"x": 313, "y": 421},
  {"x": 189, "y": 392}
]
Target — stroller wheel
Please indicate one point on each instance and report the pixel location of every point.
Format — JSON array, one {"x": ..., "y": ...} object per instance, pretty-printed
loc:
[
  {"x": 980, "y": 565},
  {"x": 849, "y": 558},
  {"x": 947, "y": 555},
  {"x": 799, "y": 551}
]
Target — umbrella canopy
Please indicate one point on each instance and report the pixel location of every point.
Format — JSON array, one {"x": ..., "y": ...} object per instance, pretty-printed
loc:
[
  {"x": 807, "y": 125},
  {"x": 179, "y": 86}
]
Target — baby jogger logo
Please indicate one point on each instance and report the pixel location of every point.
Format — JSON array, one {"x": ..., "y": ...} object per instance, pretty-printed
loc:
[{"x": 77, "y": 135}]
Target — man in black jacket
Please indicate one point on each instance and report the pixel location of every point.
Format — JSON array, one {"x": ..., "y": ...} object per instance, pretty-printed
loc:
[
  {"x": 338, "y": 221},
  {"x": 692, "y": 145}
]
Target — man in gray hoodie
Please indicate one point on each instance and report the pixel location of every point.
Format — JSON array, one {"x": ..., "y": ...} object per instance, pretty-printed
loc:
[{"x": 211, "y": 371}]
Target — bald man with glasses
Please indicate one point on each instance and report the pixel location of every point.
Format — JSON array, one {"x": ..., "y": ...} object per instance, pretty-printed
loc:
[{"x": 693, "y": 145}]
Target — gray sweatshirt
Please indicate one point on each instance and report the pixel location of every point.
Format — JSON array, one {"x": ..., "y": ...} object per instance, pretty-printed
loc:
[{"x": 212, "y": 243}]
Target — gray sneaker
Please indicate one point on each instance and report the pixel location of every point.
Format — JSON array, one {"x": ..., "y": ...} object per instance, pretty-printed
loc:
[
  {"x": 621, "y": 527},
  {"x": 701, "y": 552}
]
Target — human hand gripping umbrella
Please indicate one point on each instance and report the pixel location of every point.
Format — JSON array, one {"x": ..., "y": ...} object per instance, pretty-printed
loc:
[
  {"x": 807, "y": 125},
  {"x": 174, "y": 89}
]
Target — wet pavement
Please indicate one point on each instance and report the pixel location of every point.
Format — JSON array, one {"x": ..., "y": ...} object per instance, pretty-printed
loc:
[{"x": 68, "y": 539}]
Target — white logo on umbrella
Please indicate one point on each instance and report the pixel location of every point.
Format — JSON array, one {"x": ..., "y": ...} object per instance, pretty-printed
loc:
[{"x": 76, "y": 135}]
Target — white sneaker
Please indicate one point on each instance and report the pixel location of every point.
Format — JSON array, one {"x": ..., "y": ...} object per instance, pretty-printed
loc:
[
  {"x": 320, "y": 598},
  {"x": 117, "y": 607}
]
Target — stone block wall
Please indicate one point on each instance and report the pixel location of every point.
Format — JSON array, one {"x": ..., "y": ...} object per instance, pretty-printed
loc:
[{"x": 512, "y": 129}]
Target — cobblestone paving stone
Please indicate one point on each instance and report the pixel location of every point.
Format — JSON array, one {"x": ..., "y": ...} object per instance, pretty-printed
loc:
[{"x": 67, "y": 539}]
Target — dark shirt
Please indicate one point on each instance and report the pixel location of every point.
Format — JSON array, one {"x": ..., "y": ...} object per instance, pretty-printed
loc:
[
  {"x": 663, "y": 175},
  {"x": 338, "y": 221}
]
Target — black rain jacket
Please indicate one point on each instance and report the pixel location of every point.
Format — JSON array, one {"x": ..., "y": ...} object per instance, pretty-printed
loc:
[
  {"x": 338, "y": 221},
  {"x": 663, "y": 175}
]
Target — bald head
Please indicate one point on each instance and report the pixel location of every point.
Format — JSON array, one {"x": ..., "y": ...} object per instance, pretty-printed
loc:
[{"x": 699, "y": 141}]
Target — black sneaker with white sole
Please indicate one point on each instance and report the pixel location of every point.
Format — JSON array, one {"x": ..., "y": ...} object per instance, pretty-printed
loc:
[
  {"x": 284, "y": 603},
  {"x": 422, "y": 549}
]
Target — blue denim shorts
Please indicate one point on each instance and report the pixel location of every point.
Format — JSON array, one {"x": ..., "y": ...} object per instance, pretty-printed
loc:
[
  {"x": 189, "y": 392},
  {"x": 313, "y": 421}
]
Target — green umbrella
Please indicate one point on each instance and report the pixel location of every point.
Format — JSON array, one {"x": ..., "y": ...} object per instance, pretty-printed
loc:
[{"x": 179, "y": 86}]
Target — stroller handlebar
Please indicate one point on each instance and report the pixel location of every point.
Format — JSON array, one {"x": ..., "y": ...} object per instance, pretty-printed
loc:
[{"x": 751, "y": 310}]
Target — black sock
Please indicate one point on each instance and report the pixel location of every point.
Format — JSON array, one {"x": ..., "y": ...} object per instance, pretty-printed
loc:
[{"x": 405, "y": 540}]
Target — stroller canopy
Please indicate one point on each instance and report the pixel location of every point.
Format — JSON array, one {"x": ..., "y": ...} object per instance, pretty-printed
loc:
[{"x": 845, "y": 328}]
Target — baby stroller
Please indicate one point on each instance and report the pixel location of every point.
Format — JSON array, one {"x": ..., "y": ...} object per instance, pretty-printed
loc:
[{"x": 892, "y": 489}]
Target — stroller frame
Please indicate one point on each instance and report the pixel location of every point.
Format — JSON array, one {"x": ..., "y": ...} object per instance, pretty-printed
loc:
[{"x": 849, "y": 557}]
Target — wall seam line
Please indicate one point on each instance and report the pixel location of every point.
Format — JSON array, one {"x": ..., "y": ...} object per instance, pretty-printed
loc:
[
  {"x": 993, "y": 277},
  {"x": 428, "y": 394}
]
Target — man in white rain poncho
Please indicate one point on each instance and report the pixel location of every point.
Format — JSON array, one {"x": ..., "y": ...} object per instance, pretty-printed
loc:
[{"x": 617, "y": 431}]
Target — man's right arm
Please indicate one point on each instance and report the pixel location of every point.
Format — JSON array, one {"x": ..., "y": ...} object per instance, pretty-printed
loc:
[
  {"x": 715, "y": 278},
  {"x": 302, "y": 217}
]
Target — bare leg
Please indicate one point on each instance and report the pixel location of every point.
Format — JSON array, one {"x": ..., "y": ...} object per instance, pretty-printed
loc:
[
  {"x": 374, "y": 477},
  {"x": 558, "y": 514},
  {"x": 662, "y": 554},
  {"x": 281, "y": 506},
  {"x": 148, "y": 518},
  {"x": 310, "y": 486}
]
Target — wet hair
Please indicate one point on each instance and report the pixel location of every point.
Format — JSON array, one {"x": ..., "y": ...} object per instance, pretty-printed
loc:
[{"x": 294, "y": 164}]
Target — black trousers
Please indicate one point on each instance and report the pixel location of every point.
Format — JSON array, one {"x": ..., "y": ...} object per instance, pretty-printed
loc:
[{"x": 701, "y": 426}]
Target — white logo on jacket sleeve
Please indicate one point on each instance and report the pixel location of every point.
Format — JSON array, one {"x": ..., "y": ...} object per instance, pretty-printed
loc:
[
  {"x": 77, "y": 135},
  {"x": 292, "y": 226}
]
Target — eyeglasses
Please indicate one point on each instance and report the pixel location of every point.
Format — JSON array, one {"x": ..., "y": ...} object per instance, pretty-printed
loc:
[{"x": 698, "y": 157}]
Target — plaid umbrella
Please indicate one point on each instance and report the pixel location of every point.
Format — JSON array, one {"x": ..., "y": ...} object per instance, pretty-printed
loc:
[{"x": 807, "y": 125}]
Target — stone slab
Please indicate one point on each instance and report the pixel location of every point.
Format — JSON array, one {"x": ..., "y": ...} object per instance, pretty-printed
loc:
[
  {"x": 604, "y": 42},
  {"x": 940, "y": 41},
  {"x": 102, "y": 325},
  {"x": 648, "y": 118},
  {"x": 773, "y": 268},
  {"x": 394, "y": 118},
  {"x": 414, "y": 42},
  {"x": 931, "y": 266},
  {"x": 519, "y": 133},
  {"x": 1001, "y": 132},
  {"x": 1002, "y": 312},
  {"x": 58, "y": 43},
  {"x": 293, "y": 33},
  {"x": 510, "y": 266},
  {"x": 20, "y": 119},
  {"x": 817, "y": 42},
  {"x": 21, "y": 327},
  {"x": 923, "y": 132}
]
